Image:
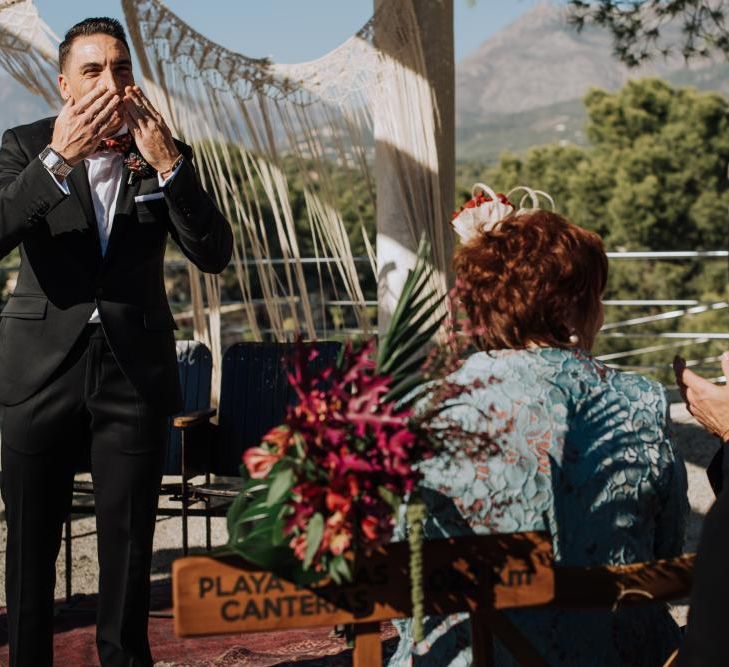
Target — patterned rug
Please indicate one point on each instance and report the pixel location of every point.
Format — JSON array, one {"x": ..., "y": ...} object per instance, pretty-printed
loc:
[{"x": 75, "y": 644}]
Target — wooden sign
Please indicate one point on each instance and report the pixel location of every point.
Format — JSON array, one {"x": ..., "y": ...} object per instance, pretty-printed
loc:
[{"x": 215, "y": 596}]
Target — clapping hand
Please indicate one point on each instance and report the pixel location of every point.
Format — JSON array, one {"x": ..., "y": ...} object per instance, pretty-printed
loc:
[
  {"x": 151, "y": 134},
  {"x": 708, "y": 402},
  {"x": 82, "y": 124}
]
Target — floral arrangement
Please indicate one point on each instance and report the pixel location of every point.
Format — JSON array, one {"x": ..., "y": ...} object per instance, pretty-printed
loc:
[
  {"x": 486, "y": 209},
  {"x": 344, "y": 460},
  {"x": 326, "y": 485}
]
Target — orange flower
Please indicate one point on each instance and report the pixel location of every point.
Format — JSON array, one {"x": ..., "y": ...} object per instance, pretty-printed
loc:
[
  {"x": 337, "y": 535},
  {"x": 259, "y": 462},
  {"x": 340, "y": 543},
  {"x": 279, "y": 437},
  {"x": 336, "y": 502}
]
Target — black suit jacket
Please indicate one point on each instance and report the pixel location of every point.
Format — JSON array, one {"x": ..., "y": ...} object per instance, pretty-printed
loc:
[{"x": 63, "y": 275}]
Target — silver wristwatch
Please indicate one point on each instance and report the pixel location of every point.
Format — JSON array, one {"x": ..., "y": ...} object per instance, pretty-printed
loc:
[{"x": 55, "y": 163}]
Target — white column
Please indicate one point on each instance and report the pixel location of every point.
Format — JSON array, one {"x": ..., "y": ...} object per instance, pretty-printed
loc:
[{"x": 396, "y": 243}]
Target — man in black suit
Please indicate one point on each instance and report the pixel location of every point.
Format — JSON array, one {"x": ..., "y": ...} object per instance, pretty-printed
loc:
[
  {"x": 706, "y": 642},
  {"x": 87, "y": 351}
]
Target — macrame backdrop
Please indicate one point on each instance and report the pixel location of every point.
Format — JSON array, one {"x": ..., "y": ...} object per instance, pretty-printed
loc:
[
  {"x": 248, "y": 120},
  {"x": 244, "y": 117},
  {"x": 29, "y": 49}
]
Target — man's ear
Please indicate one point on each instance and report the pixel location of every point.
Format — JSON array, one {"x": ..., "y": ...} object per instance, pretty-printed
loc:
[{"x": 63, "y": 87}]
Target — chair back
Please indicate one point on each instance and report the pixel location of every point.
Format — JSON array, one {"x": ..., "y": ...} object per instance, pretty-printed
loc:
[
  {"x": 254, "y": 394},
  {"x": 195, "y": 368}
]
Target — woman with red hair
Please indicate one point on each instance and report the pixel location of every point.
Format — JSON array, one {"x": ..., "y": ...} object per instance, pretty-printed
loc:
[{"x": 578, "y": 448}]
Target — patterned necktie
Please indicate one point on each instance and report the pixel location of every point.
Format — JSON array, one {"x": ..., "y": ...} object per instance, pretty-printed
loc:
[{"x": 120, "y": 144}]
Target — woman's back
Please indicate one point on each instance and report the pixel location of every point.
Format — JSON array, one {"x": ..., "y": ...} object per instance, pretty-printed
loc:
[{"x": 583, "y": 451}]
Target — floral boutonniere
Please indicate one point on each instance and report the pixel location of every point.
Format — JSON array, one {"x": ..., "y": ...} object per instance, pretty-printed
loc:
[{"x": 138, "y": 166}]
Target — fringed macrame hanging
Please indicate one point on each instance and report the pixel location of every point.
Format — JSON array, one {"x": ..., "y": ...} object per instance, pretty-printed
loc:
[
  {"x": 247, "y": 119},
  {"x": 29, "y": 49}
]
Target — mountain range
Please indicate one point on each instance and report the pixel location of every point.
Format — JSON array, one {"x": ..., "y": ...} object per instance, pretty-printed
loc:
[{"x": 525, "y": 84}]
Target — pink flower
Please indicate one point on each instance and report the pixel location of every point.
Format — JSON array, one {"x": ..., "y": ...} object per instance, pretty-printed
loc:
[
  {"x": 259, "y": 461},
  {"x": 298, "y": 544}
]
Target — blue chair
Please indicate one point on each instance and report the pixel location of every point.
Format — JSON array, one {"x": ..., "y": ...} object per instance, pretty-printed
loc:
[{"x": 254, "y": 395}]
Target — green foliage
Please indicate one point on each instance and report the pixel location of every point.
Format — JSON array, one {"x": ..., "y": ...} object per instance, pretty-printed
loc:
[
  {"x": 255, "y": 527},
  {"x": 653, "y": 178},
  {"x": 403, "y": 349}
]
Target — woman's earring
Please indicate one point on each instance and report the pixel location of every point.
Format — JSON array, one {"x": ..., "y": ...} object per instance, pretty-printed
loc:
[{"x": 574, "y": 339}]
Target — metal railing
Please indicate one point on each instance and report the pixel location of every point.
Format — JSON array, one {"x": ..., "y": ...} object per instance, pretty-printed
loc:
[{"x": 664, "y": 340}]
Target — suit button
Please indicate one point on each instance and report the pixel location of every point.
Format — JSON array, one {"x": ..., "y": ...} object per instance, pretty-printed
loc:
[{"x": 99, "y": 292}]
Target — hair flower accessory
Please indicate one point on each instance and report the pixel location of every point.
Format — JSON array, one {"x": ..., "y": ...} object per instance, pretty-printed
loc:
[{"x": 486, "y": 209}]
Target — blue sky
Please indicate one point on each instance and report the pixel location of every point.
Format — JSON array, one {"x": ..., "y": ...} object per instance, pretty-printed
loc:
[{"x": 290, "y": 30}]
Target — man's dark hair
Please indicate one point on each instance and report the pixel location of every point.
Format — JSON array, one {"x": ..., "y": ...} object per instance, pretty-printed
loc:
[{"x": 93, "y": 26}]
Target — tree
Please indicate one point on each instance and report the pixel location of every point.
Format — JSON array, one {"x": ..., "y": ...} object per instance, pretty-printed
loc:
[
  {"x": 653, "y": 178},
  {"x": 642, "y": 29}
]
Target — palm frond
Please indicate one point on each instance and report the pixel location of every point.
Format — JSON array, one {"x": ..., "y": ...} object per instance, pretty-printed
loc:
[{"x": 404, "y": 347}]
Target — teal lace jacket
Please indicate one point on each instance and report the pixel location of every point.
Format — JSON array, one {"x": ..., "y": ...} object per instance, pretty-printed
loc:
[{"x": 589, "y": 457}]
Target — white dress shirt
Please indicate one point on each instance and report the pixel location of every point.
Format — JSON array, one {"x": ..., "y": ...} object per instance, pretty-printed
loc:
[
  {"x": 104, "y": 172},
  {"x": 105, "y": 175}
]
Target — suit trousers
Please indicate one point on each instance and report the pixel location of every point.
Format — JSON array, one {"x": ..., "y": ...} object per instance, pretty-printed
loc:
[{"x": 87, "y": 410}]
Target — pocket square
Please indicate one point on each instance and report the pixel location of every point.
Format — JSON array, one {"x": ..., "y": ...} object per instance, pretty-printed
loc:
[{"x": 150, "y": 197}]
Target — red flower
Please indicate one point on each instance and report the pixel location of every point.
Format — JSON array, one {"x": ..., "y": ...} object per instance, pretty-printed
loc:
[
  {"x": 298, "y": 544},
  {"x": 342, "y": 493},
  {"x": 479, "y": 199}
]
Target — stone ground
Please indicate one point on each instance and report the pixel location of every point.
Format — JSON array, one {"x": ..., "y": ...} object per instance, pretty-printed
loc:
[{"x": 696, "y": 446}]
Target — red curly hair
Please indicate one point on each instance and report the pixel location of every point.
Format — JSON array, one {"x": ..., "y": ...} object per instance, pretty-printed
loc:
[{"x": 535, "y": 279}]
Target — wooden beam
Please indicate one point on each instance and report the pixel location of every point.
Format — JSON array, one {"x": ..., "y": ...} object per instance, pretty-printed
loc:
[{"x": 367, "y": 645}]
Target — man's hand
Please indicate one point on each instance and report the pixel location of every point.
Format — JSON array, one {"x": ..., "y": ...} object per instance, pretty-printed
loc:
[
  {"x": 81, "y": 125},
  {"x": 708, "y": 402},
  {"x": 150, "y": 132}
]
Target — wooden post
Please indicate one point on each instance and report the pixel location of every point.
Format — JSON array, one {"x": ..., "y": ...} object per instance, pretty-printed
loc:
[
  {"x": 367, "y": 645},
  {"x": 482, "y": 640},
  {"x": 396, "y": 244}
]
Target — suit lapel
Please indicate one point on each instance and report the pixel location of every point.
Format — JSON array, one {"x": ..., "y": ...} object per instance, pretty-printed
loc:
[
  {"x": 127, "y": 192},
  {"x": 79, "y": 186}
]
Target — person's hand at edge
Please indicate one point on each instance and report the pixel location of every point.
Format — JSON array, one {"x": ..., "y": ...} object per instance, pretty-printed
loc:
[{"x": 706, "y": 401}]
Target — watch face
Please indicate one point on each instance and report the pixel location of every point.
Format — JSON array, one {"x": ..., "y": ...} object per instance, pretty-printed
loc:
[
  {"x": 52, "y": 160},
  {"x": 55, "y": 163}
]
